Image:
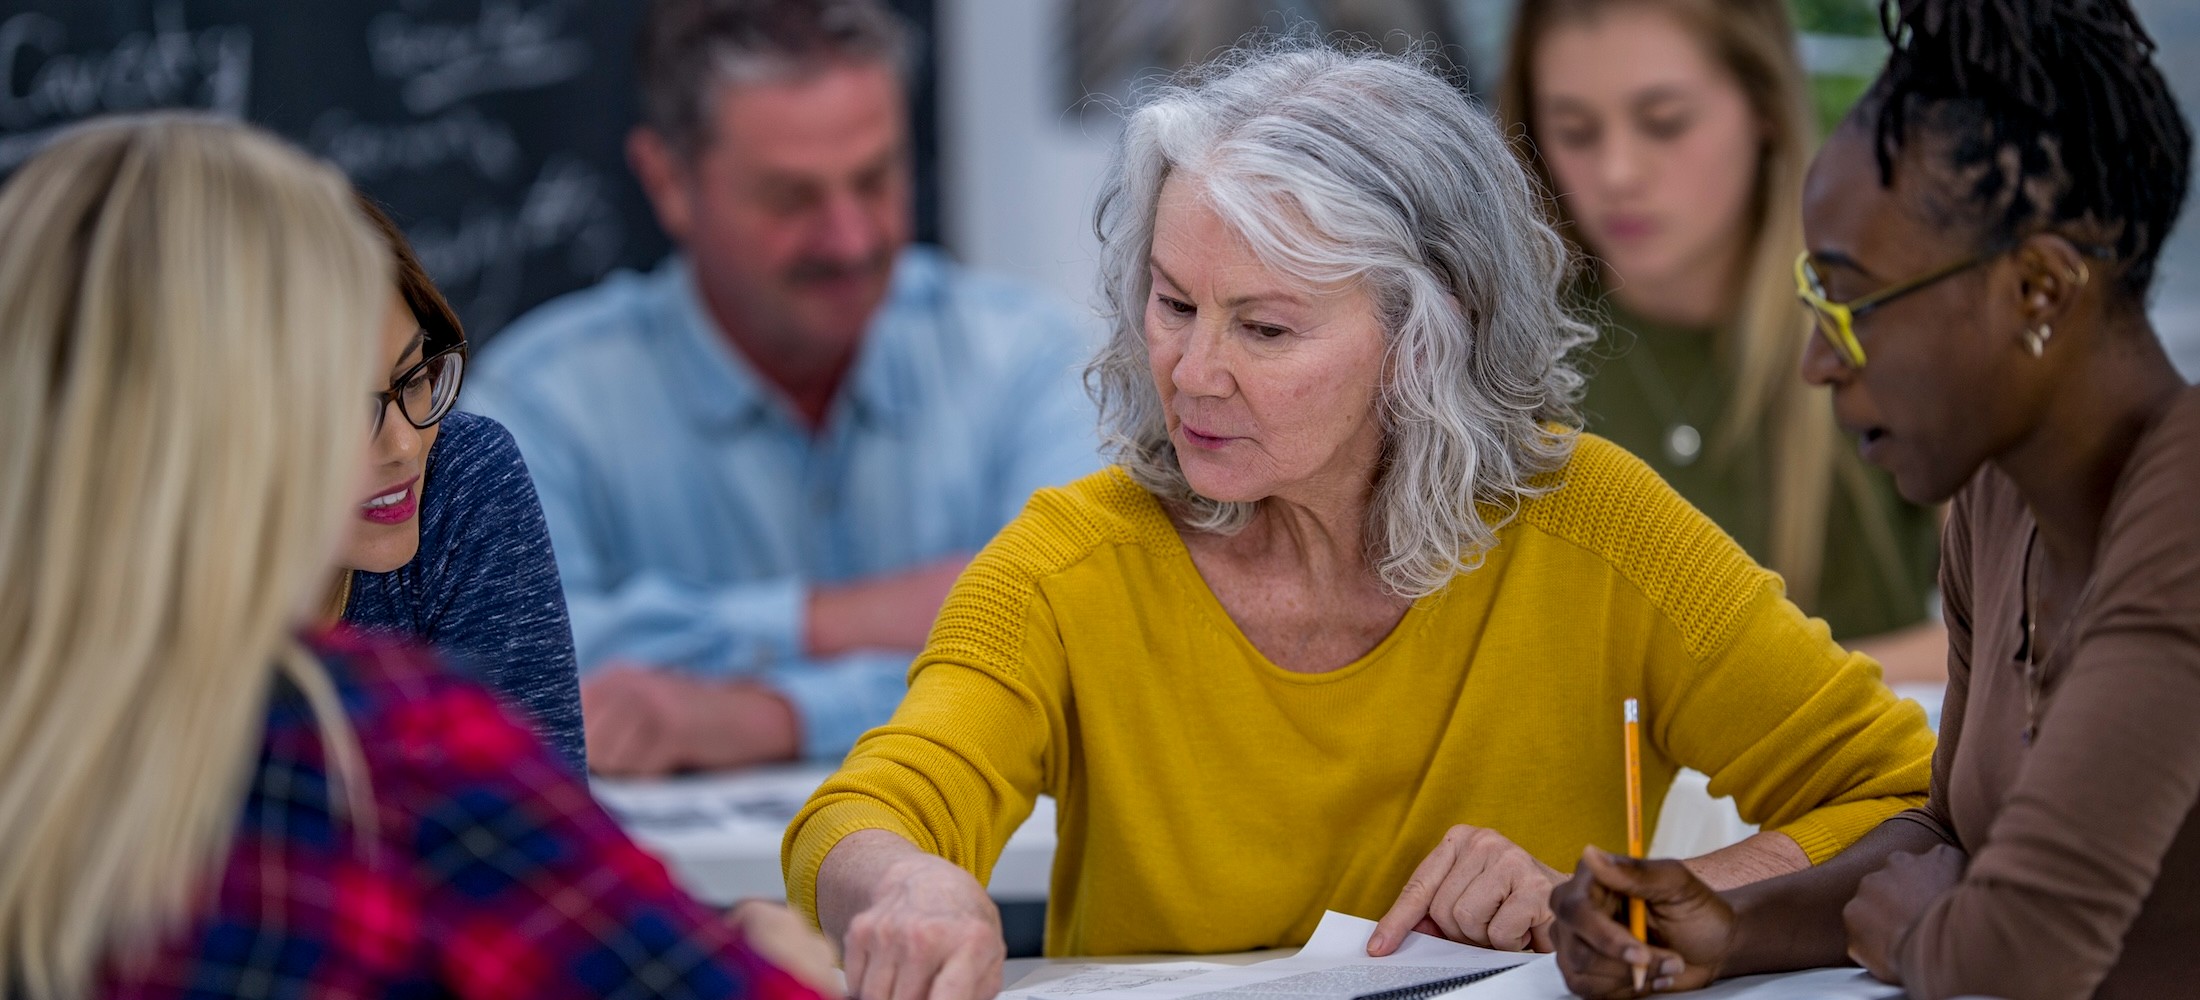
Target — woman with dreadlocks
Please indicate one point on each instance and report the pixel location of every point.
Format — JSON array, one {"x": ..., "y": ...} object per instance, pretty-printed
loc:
[{"x": 1983, "y": 229}]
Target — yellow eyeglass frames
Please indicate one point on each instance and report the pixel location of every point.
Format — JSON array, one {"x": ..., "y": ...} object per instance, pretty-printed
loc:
[{"x": 1836, "y": 321}]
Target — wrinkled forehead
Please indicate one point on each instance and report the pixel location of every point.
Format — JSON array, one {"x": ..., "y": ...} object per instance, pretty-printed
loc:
[{"x": 1316, "y": 238}]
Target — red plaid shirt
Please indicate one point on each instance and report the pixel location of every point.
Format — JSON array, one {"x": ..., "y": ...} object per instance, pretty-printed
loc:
[{"x": 492, "y": 873}]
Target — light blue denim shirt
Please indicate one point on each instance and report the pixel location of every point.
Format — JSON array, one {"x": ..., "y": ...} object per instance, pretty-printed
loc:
[{"x": 691, "y": 509}]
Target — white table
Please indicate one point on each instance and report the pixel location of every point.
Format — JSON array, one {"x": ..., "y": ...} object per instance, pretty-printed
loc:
[
  {"x": 1816, "y": 984},
  {"x": 720, "y": 834}
]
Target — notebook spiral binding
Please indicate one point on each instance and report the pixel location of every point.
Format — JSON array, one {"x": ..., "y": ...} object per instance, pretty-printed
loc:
[{"x": 1427, "y": 990}]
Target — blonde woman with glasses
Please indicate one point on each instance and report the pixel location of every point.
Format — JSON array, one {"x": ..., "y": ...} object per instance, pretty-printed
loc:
[{"x": 193, "y": 798}]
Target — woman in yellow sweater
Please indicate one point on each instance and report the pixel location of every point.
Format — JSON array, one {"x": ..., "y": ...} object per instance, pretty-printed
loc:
[{"x": 1355, "y": 607}]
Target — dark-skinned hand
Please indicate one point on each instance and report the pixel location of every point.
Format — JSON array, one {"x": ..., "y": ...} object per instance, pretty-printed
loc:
[
  {"x": 1691, "y": 929},
  {"x": 1889, "y": 901}
]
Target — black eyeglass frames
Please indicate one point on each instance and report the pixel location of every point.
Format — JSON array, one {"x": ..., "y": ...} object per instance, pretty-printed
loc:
[{"x": 423, "y": 393}]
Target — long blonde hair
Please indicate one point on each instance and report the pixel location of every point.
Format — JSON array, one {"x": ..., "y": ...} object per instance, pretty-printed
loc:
[
  {"x": 191, "y": 313},
  {"x": 1763, "y": 341}
]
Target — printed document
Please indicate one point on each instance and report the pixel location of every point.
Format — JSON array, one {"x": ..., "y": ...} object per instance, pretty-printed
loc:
[{"x": 1334, "y": 965}]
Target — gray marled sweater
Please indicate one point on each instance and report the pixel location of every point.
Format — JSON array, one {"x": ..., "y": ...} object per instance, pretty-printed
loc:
[{"x": 484, "y": 589}]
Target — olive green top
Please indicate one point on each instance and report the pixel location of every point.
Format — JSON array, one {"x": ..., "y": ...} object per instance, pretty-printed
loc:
[{"x": 1648, "y": 381}]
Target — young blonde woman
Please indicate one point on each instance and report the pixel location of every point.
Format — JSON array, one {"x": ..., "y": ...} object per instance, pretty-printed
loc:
[
  {"x": 1674, "y": 134},
  {"x": 193, "y": 799}
]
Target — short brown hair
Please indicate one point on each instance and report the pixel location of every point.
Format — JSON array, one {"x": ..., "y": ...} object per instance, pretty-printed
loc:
[{"x": 687, "y": 46}]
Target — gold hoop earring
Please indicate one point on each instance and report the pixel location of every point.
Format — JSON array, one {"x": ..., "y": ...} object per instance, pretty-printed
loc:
[{"x": 2035, "y": 339}]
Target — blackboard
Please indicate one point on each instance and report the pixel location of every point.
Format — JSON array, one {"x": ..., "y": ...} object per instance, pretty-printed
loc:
[{"x": 493, "y": 130}]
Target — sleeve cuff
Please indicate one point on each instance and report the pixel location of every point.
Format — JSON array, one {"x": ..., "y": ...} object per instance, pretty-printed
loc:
[
  {"x": 815, "y": 833},
  {"x": 770, "y": 614},
  {"x": 1923, "y": 816},
  {"x": 1823, "y": 833},
  {"x": 836, "y": 701}
]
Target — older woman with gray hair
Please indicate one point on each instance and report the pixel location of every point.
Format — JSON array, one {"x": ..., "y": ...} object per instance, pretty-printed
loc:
[{"x": 1349, "y": 623}]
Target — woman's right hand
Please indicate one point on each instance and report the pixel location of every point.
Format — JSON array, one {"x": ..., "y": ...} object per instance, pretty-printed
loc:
[
  {"x": 929, "y": 933},
  {"x": 1476, "y": 887},
  {"x": 1597, "y": 953}
]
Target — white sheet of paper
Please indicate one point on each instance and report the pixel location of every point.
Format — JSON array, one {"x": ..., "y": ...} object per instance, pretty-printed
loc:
[
  {"x": 1540, "y": 980},
  {"x": 1082, "y": 980},
  {"x": 1341, "y": 937},
  {"x": 751, "y": 805},
  {"x": 1334, "y": 965}
]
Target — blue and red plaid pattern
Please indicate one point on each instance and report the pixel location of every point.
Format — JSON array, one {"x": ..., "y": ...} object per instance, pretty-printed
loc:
[{"x": 492, "y": 873}]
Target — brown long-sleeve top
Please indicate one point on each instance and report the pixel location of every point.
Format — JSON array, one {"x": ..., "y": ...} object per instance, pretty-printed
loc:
[{"x": 2084, "y": 876}]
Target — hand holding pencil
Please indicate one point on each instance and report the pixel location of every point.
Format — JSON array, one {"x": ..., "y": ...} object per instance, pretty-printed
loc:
[{"x": 1602, "y": 957}]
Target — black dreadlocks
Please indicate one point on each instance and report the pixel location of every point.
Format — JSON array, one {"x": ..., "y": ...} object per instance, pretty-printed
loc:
[{"x": 2053, "y": 110}]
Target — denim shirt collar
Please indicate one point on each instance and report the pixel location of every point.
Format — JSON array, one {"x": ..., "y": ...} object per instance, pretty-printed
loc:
[{"x": 720, "y": 389}]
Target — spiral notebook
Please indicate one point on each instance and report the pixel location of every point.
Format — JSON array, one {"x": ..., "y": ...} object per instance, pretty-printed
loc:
[{"x": 1424, "y": 991}]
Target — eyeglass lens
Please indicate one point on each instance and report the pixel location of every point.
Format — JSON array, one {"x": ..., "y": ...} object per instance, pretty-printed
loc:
[{"x": 427, "y": 393}]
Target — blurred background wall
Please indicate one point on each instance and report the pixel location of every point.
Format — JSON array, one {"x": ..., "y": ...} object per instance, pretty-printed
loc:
[
  {"x": 2176, "y": 25},
  {"x": 1022, "y": 154},
  {"x": 493, "y": 128}
]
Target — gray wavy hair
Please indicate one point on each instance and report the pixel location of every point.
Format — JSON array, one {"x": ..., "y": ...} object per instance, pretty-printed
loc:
[{"x": 1344, "y": 166}]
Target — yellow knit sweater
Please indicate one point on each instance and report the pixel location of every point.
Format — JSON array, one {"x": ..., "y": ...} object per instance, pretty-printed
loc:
[{"x": 1210, "y": 801}]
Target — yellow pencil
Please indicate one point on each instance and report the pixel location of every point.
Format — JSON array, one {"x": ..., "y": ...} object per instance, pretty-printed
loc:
[{"x": 1637, "y": 917}]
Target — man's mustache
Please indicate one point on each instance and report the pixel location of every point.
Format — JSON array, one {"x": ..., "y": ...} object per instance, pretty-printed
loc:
[{"x": 814, "y": 271}]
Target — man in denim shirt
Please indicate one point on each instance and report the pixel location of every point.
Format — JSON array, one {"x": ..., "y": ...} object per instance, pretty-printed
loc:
[{"x": 764, "y": 462}]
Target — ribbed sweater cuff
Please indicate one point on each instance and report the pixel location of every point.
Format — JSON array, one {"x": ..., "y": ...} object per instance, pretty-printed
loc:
[
  {"x": 816, "y": 834},
  {"x": 1823, "y": 833}
]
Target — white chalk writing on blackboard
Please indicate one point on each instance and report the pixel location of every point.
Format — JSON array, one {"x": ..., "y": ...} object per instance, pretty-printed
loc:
[
  {"x": 567, "y": 207},
  {"x": 367, "y": 151},
  {"x": 44, "y": 86},
  {"x": 509, "y": 47}
]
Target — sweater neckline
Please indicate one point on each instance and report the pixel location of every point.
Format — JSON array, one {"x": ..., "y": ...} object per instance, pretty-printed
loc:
[{"x": 1205, "y": 604}]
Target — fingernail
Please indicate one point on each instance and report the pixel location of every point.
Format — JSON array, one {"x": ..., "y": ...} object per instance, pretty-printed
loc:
[
  {"x": 1637, "y": 956},
  {"x": 1663, "y": 983},
  {"x": 1670, "y": 967}
]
